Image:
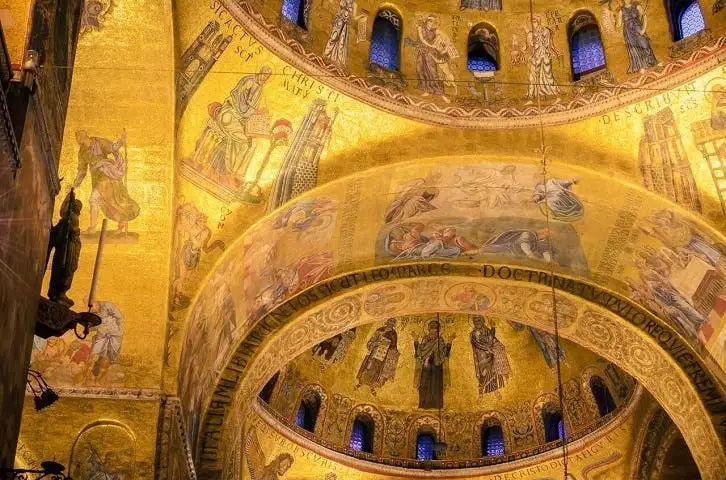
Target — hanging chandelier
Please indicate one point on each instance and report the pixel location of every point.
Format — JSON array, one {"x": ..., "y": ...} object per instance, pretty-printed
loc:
[{"x": 43, "y": 395}]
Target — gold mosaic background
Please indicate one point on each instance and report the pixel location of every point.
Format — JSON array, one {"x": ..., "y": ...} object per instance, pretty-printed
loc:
[{"x": 190, "y": 251}]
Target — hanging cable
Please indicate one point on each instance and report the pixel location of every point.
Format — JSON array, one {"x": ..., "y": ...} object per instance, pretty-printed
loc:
[{"x": 558, "y": 348}]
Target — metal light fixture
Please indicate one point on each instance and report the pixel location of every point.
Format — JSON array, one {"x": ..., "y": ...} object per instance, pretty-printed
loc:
[
  {"x": 43, "y": 395},
  {"x": 51, "y": 470}
]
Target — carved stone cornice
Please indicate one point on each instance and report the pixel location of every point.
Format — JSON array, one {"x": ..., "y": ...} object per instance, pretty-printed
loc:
[
  {"x": 172, "y": 422},
  {"x": 110, "y": 393}
]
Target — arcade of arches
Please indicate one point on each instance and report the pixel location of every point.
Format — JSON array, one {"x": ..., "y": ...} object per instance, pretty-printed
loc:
[{"x": 355, "y": 239}]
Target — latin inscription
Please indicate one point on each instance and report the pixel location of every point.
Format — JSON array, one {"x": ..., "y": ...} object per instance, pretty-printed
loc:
[
  {"x": 666, "y": 337},
  {"x": 246, "y": 47}
]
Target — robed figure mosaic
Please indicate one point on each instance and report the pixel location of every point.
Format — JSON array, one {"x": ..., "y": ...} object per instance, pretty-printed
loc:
[
  {"x": 555, "y": 198},
  {"x": 490, "y": 357},
  {"x": 226, "y": 145},
  {"x": 630, "y": 15},
  {"x": 432, "y": 367},
  {"x": 380, "y": 363},
  {"x": 542, "y": 81},
  {"x": 336, "y": 49},
  {"x": 107, "y": 163}
]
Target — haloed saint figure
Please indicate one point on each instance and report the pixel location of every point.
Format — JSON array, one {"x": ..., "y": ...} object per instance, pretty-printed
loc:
[
  {"x": 490, "y": 357},
  {"x": 432, "y": 367},
  {"x": 379, "y": 365}
]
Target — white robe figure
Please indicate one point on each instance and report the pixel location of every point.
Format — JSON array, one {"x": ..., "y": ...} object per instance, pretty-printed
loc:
[{"x": 337, "y": 48}]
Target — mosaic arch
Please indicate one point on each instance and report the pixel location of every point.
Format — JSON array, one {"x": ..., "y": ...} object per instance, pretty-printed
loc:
[
  {"x": 471, "y": 210},
  {"x": 591, "y": 326},
  {"x": 452, "y": 209},
  {"x": 103, "y": 449},
  {"x": 468, "y": 101}
]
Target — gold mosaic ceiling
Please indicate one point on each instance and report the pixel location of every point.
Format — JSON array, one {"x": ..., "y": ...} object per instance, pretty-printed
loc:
[
  {"x": 523, "y": 357},
  {"x": 345, "y": 193}
]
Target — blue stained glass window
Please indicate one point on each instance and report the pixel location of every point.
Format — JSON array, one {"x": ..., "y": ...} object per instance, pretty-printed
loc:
[
  {"x": 603, "y": 398},
  {"x": 587, "y": 51},
  {"x": 492, "y": 441},
  {"x": 294, "y": 10},
  {"x": 385, "y": 50},
  {"x": 361, "y": 436},
  {"x": 425, "y": 447},
  {"x": 300, "y": 416},
  {"x": 691, "y": 20},
  {"x": 481, "y": 63},
  {"x": 307, "y": 413},
  {"x": 554, "y": 426},
  {"x": 357, "y": 436}
]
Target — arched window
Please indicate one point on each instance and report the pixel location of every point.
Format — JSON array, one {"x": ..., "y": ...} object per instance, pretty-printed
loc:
[
  {"x": 361, "y": 435},
  {"x": 554, "y": 425},
  {"x": 492, "y": 440},
  {"x": 603, "y": 398},
  {"x": 297, "y": 11},
  {"x": 586, "y": 51},
  {"x": 266, "y": 392},
  {"x": 685, "y": 18},
  {"x": 483, "y": 49},
  {"x": 386, "y": 40},
  {"x": 425, "y": 446},
  {"x": 307, "y": 412}
]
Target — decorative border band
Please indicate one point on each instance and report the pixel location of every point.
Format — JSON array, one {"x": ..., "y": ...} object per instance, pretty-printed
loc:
[{"x": 642, "y": 86}]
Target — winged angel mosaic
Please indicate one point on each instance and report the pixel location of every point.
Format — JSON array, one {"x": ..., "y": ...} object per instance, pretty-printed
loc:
[{"x": 276, "y": 469}]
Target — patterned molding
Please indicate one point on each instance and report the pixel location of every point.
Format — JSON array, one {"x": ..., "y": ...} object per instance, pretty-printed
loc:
[
  {"x": 172, "y": 421},
  {"x": 403, "y": 467},
  {"x": 42, "y": 136},
  {"x": 651, "y": 451},
  {"x": 112, "y": 393},
  {"x": 580, "y": 106},
  {"x": 608, "y": 324}
]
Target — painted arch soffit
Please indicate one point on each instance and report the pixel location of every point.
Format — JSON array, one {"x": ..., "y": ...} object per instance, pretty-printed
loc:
[
  {"x": 589, "y": 226},
  {"x": 626, "y": 343},
  {"x": 349, "y": 225},
  {"x": 580, "y": 106}
]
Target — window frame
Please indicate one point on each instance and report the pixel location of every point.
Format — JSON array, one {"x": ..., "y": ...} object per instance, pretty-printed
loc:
[
  {"x": 604, "y": 388},
  {"x": 419, "y": 436},
  {"x": 309, "y": 410},
  {"x": 475, "y": 39},
  {"x": 399, "y": 36},
  {"x": 549, "y": 422},
  {"x": 303, "y": 13},
  {"x": 368, "y": 425},
  {"x": 268, "y": 390},
  {"x": 485, "y": 428},
  {"x": 675, "y": 10},
  {"x": 581, "y": 22}
]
